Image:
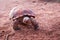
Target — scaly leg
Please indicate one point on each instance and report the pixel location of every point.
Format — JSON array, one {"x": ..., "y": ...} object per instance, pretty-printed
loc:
[{"x": 34, "y": 23}]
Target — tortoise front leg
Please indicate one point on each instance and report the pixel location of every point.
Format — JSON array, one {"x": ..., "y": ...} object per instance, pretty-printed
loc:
[
  {"x": 15, "y": 25},
  {"x": 34, "y": 23}
]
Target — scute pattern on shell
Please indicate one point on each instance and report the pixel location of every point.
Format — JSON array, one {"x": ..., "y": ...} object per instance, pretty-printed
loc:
[
  {"x": 24, "y": 12},
  {"x": 15, "y": 13}
]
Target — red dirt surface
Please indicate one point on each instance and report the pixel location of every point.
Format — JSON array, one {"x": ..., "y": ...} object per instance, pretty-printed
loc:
[{"x": 47, "y": 15}]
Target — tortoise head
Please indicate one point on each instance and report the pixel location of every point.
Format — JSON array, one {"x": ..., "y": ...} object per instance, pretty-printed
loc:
[{"x": 26, "y": 20}]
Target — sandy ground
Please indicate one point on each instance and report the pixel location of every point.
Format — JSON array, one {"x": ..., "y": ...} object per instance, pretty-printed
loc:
[{"x": 47, "y": 15}]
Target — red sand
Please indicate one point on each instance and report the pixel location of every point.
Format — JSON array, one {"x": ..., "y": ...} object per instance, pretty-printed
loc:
[{"x": 47, "y": 15}]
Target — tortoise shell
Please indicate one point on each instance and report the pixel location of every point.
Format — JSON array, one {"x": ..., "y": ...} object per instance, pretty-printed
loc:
[{"x": 22, "y": 13}]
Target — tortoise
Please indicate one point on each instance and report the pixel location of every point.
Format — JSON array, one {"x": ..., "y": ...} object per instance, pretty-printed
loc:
[{"x": 22, "y": 17}]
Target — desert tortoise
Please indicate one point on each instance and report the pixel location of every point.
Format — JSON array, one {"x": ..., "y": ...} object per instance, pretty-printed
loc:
[{"x": 22, "y": 17}]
